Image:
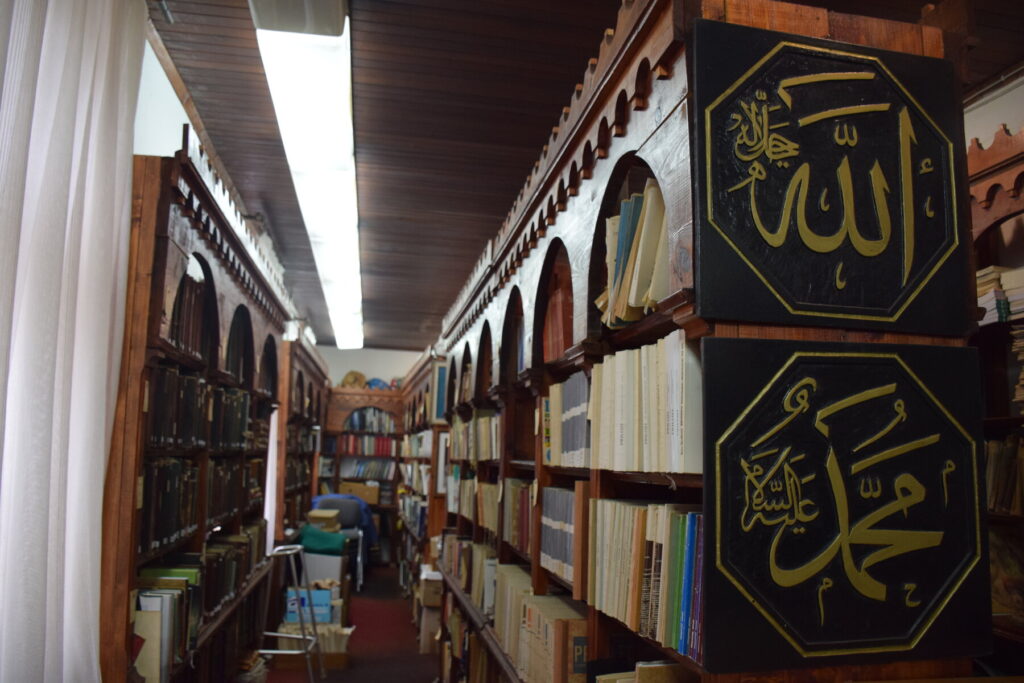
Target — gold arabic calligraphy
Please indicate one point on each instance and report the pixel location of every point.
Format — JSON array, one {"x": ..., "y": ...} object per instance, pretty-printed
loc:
[
  {"x": 774, "y": 495},
  {"x": 760, "y": 143}
]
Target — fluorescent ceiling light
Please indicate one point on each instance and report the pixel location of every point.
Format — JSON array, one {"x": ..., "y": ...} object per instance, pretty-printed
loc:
[{"x": 310, "y": 78}]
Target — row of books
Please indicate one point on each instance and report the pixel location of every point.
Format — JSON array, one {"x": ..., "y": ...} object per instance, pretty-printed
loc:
[
  {"x": 223, "y": 487},
  {"x": 416, "y": 476},
  {"x": 254, "y": 479},
  {"x": 301, "y": 439},
  {"x": 467, "y": 497},
  {"x": 487, "y": 506},
  {"x": 417, "y": 445},
  {"x": 186, "y": 412},
  {"x": 170, "y": 501},
  {"x": 413, "y": 510},
  {"x": 1000, "y": 293},
  {"x": 565, "y": 424},
  {"x": 1004, "y": 472},
  {"x": 297, "y": 473},
  {"x": 1017, "y": 351},
  {"x": 516, "y": 526},
  {"x": 477, "y": 439},
  {"x": 543, "y": 635},
  {"x": 646, "y": 409},
  {"x": 645, "y": 566},
  {"x": 473, "y": 567},
  {"x": 465, "y": 646},
  {"x": 370, "y": 419},
  {"x": 366, "y": 467},
  {"x": 176, "y": 598},
  {"x": 636, "y": 258},
  {"x": 363, "y": 444},
  {"x": 563, "y": 526}
]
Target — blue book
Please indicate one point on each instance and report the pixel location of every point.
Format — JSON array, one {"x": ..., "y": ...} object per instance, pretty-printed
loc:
[
  {"x": 629, "y": 217},
  {"x": 686, "y": 599}
]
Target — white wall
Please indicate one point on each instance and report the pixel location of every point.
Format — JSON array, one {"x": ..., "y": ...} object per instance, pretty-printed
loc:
[
  {"x": 159, "y": 116},
  {"x": 1003, "y": 105},
  {"x": 384, "y": 364}
]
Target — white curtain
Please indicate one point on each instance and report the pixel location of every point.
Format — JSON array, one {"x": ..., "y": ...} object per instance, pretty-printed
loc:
[{"x": 69, "y": 76}]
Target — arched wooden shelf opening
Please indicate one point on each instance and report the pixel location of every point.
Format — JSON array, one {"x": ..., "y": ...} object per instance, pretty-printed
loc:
[
  {"x": 553, "y": 320},
  {"x": 239, "y": 357},
  {"x": 194, "y": 320},
  {"x": 484, "y": 365},
  {"x": 299, "y": 395},
  {"x": 452, "y": 385},
  {"x": 517, "y": 413},
  {"x": 466, "y": 376},
  {"x": 628, "y": 244}
]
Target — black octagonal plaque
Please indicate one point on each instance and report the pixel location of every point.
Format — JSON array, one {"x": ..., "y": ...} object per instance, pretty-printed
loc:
[
  {"x": 842, "y": 493},
  {"x": 827, "y": 184}
]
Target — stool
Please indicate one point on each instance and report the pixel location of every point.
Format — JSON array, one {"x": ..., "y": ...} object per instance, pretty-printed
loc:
[{"x": 311, "y": 641}]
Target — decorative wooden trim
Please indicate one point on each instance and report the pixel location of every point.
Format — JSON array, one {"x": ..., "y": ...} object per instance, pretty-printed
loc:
[{"x": 996, "y": 175}]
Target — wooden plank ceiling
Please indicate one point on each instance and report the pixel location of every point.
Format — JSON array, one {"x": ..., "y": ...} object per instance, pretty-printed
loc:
[
  {"x": 213, "y": 46},
  {"x": 452, "y": 102}
]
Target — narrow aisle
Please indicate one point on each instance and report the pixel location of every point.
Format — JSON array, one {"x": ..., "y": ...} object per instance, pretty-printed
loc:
[{"x": 384, "y": 646}]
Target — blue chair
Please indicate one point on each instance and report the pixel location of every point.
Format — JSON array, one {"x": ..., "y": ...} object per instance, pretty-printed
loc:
[{"x": 352, "y": 520}]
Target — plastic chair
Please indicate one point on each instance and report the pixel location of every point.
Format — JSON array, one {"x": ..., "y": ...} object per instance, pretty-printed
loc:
[{"x": 311, "y": 640}]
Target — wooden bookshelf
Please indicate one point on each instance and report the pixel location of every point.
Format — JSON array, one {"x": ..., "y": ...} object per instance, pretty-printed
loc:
[
  {"x": 199, "y": 381},
  {"x": 634, "y": 118}
]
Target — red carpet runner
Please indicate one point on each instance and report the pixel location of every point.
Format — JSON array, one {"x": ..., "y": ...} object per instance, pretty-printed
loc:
[{"x": 384, "y": 646}]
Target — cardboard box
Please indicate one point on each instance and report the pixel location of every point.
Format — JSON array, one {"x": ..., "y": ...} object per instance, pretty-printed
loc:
[
  {"x": 430, "y": 622},
  {"x": 319, "y": 567},
  {"x": 369, "y": 494},
  {"x": 431, "y": 586},
  {"x": 324, "y": 519},
  {"x": 321, "y": 605}
]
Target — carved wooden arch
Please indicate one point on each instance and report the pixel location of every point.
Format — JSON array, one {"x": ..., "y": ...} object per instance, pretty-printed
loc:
[
  {"x": 509, "y": 344},
  {"x": 267, "y": 374},
  {"x": 484, "y": 373},
  {"x": 555, "y": 275},
  {"x": 241, "y": 333},
  {"x": 996, "y": 179}
]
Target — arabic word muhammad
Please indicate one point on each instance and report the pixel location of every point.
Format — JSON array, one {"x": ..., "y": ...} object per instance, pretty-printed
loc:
[
  {"x": 848, "y": 486},
  {"x": 823, "y": 159}
]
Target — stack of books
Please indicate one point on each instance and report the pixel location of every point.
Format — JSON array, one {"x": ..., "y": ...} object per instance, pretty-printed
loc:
[
  {"x": 1012, "y": 282},
  {"x": 991, "y": 296},
  {"x": 1004, "y": 472}
]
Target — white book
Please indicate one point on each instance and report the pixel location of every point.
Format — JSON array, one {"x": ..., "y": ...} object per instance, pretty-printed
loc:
[
  {"x": 594, "y": 411},
  {"x": 692, "y": 410},
  {"x": 659, "y": 288},
  {"x": 659, "y": 406},
  {"x": 645, "y": 410},
  {"x": 672, "y": 409}
]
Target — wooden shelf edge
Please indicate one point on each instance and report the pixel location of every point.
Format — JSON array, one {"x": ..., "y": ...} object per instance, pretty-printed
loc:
[
  {"x": 257, "y": 576},
  {"x": 480, "y": 625},
  {"x": 668, "y": 652}
]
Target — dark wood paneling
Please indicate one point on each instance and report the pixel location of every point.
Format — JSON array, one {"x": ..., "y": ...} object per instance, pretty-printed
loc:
[{"x": 452, "y": 102}]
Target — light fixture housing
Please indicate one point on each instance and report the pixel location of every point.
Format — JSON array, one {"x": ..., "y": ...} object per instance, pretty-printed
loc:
[{"x": 310, "y": 79}]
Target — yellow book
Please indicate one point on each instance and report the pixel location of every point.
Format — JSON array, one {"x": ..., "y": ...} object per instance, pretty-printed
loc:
[{"x": 649, "y": 234}]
